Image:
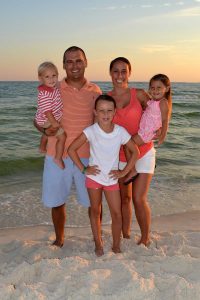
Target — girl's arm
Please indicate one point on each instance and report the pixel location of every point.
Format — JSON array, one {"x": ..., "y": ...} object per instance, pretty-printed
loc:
[
  {"x": 133, "y": 156},
  {"x": 72, "y": 152},
  {"x": 73, "y": 148},
  {"x": 164, "y": 107}
]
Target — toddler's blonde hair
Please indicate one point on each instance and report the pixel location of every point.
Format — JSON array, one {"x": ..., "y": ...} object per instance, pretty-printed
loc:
[{"x": 46, "y": 65}]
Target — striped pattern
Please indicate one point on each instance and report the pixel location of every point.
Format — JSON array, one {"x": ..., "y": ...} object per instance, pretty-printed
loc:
[
  {"x": 48, "y": 100},
  {"x": 78, "y": 114}
]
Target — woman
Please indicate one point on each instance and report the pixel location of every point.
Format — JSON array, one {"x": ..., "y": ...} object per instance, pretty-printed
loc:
[{"x": 130, "y": 103}]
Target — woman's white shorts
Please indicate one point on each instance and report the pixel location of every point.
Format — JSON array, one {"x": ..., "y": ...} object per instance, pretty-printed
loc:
[{"x": 146, "y": 164}]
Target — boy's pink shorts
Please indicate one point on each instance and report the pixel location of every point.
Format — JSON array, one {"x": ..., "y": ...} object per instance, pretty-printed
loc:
[{"x": 91, "y": 184}]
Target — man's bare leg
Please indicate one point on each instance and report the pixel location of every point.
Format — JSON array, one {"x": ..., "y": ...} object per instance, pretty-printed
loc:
[{"x": 58, "y": 218}]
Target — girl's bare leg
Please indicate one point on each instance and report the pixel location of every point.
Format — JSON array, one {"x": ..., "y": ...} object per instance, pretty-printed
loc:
[
  {"x": 142, "y": 210},
  {"x": 114, "y": 203},
  {"x": 60, "y": 144},
  {"x": 126, "y": 208},
  {"x": 95, "y": 196}
]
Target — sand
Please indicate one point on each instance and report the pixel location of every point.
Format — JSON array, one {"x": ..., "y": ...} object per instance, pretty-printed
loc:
[{"x": 169, "y": 269}]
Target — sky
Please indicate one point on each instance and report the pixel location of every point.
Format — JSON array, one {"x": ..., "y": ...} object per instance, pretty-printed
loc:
[{"x": 157, "y": 36}]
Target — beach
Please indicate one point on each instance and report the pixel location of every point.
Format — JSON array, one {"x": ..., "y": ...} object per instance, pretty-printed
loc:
[{"x": 31, "y": 268}]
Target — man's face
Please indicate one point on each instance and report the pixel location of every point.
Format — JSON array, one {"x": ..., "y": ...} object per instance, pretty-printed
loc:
[{"x": 74, "y": 65}]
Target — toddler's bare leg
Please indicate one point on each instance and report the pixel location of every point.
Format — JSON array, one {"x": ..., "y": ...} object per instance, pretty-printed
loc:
[
  {"x": 43, "y": 143},
  {"x": 60, "y": 144}
]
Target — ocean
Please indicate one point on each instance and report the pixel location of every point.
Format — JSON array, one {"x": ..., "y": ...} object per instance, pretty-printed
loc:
[{"x": 175, "y": 187}]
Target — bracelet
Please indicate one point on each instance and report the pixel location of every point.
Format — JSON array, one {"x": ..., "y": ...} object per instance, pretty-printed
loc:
[{"x": 84, "y": 169}]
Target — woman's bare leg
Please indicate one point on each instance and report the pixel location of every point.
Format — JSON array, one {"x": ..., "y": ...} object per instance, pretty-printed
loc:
[
  {"x": 142, "y": 210},
  {"x": 114, "y": 203},
  {"x": 126, "y": 208},
  {"x": 95, "y": 196}
]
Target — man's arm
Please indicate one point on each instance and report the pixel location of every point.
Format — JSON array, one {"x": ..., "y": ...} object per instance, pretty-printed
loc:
[{"x": 50, "y": 131}]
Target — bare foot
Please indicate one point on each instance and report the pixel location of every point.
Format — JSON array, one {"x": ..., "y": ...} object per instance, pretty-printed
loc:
[
  {"x": 146, "y": 243},
  {"x": 60, "y": 163},
  {"x": 126, "y": 236},
  {"x": 130, "y": 177},
  {"x": 116, "y": 250},
  {"x": 99, "y": 251},
  {"x": 58, "y": 244}
]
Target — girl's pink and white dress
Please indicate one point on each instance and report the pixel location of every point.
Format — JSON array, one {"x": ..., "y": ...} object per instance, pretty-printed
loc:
[{"x": 151, "y": 121}]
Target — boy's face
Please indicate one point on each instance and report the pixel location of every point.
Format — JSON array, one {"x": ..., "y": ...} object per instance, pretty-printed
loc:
[
  {"x": 49, "y": 78},
  {"x": 104, "y": 111}
]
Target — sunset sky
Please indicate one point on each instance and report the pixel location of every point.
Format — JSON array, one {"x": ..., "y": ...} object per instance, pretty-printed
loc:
[{"x": 157, "y": 36}]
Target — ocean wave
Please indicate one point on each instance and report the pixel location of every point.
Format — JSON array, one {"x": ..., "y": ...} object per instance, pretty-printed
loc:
[{"x": 10, "y": 167}]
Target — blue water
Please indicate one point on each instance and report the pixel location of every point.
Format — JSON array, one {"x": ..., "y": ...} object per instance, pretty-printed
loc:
[{"x": 175, "y": 186}]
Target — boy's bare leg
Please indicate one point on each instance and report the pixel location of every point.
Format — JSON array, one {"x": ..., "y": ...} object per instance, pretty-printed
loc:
[
  {"x": 114, "y": 203},
  {"x": 95, "y": 212},
  {"x": 58, "y": 218},
  {"x": 126, "y": 208},
  {"x": 43, "y": 143},
  {"x": 60, "y": 144}
]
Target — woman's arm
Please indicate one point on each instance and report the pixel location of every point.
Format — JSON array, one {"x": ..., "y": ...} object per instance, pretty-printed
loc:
[{"x": 143, "y": 97}]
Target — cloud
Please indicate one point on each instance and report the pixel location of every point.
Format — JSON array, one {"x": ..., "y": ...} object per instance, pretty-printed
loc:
[
  {"x": 146, "y": 6},
  {"x": 157, "y": 48},
  {"x": 189, "y": 12},
  {"x": 111, "y": 7}
]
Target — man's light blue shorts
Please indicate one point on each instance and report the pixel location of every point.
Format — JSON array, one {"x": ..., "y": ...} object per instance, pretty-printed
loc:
[{"x": 57, "y": 183}]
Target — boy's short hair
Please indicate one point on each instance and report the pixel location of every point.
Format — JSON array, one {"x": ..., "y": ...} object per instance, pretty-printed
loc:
[
  {"x": 46, "y": 65},
  {"x": 105, "y": 97}
]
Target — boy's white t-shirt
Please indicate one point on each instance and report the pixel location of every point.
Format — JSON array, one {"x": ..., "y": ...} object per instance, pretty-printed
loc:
[{"x": 104, "y": 150}]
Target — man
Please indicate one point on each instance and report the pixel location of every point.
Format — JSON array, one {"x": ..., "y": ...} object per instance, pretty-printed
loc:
[{"x": 78, "y": 96}]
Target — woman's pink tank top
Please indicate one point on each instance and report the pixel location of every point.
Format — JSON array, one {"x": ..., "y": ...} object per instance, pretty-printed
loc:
[{"x": 129, "y": 117}]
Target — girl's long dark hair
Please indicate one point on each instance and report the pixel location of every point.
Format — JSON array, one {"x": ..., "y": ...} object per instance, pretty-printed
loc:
[{"x": 165, "y": 80}]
